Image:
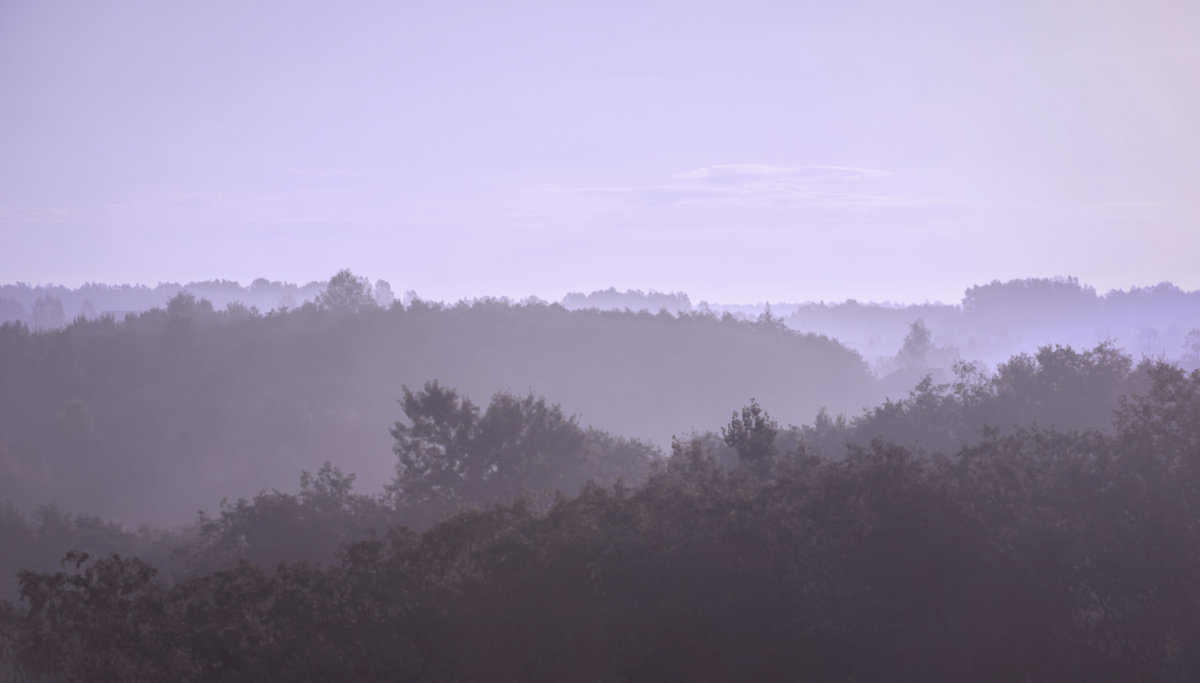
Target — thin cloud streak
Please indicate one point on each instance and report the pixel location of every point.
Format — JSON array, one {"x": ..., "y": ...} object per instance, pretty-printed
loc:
[
  {"x": 324, "y": 173},
  {"x": 761, "y": 184},
  {"x": 812, "y": 173}
]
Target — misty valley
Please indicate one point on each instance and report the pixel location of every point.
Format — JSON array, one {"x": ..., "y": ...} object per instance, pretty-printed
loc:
[
  {"x": 607, "y": 342},
  {"x": 350, "y": 486}
]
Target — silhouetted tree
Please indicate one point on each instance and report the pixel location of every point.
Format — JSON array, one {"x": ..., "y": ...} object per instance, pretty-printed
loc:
[
  {"x": 917, "y": 347},
  {"x": 383, "y": 294},
  {"x": 449, "y": 454},
  {"x": 434, "y": 451},
  {"x": 346, "y": 292},
  {"x": 1190, "y": 358},
  {"x": 47, "y": 313},
  {"x": 752, "y": 434}
]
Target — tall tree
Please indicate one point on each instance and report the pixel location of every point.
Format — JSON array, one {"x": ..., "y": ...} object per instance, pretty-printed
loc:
[
  {"x": 47, "y": 313},
  {"x": 918, "y": 346},
  {"x": 433, "y": 451},
  {"x": 752, "y": 434},
  {"x": 346, "y": 292},
  {"x": 450, "y": 454}
]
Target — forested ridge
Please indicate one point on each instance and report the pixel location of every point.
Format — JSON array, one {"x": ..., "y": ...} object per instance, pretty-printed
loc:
[
  {"x": 990, "y": 323},
  {"x": 154, "y": 416},
  {"x": 1039, "y": 521}
]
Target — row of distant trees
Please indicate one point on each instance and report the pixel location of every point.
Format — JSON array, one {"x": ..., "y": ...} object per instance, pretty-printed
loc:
[
  {"x": 990, "y": 323},
  {"x": 999, "y": 319},
  {"x": 52, "y": 307}
]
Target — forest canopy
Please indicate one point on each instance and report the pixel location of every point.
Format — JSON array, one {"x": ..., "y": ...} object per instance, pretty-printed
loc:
[
  {"x": 1037, "y": 521},
  {"x": 1034, "y": 554}
]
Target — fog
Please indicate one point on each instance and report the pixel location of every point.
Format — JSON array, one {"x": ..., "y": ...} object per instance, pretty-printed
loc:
[
  {"x": 245, "y": 400},
  {"x": 144, "y": 405},
  {"x": 739, "y": 152},
  {"x": 611, "y": 341},
  {"x": 169, "y": 474}
]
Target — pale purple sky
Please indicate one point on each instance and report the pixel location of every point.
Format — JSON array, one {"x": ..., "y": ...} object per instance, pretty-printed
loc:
[{"x": 739, "y": 151}]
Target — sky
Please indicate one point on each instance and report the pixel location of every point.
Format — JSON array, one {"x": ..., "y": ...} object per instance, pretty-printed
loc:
[{"x": 738, "y": 151}]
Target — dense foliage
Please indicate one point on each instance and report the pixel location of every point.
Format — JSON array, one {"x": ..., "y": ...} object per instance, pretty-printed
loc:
[
  {"x": 1040, "y": 522},
  {"x": 1026, "y": 554}
]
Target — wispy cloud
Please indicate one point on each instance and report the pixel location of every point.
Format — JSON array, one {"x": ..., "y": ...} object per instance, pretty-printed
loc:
[
  {"x": 34, "y": 214},
  {"x": 762, "y": 184},
  {"x": 323, "y": 173},
  {"x": 809, "y": 174}
]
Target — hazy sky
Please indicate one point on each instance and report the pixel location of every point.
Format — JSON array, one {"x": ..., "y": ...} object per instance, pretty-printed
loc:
[{"x": 739, "y": 151}]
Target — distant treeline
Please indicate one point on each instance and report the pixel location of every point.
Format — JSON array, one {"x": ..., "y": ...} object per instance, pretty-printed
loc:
[
  {"x": 634, "y": 300},
  {"x": 997, "y": 320},
  {"x": 1036, "y": 521},
  {"x": 944, "y": 536},
  {"x": 991, "y": 323},
  {"x": 151, "y": 416},
  {"x": 45, "y": 307}
]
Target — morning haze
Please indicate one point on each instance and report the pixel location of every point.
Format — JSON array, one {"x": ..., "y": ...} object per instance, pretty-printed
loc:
[
  {"x": 614, "y": 341},
  {"x": 736, "y": 151}
]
